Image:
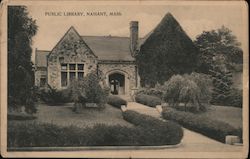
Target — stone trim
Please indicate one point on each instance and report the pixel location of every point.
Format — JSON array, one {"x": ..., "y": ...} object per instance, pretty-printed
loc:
[{"x": 115, "y": 62}]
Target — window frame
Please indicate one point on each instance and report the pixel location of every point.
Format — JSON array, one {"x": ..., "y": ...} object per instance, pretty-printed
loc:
[{"x": 69, "y": 71}]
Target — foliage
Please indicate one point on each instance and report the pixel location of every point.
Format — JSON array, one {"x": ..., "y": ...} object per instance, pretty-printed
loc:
[
  {"x": 220, "y": 52},
  {"x": 222, "y": 82},
  {"x": 88, "y": 90},
  {"x": 20, "y": 116},
  {"x": 234, "y": 98},
  {"x": 155, "y": 129},
  {"x": 54, "y": 97},
  {"x": 193, "y": 90},
  {"x": 167, "y": 51},
  {"x": 156, "y": 91},
  {"x": 220, "y": 43},
  {"x": 21, "y": 29},
  {"x": 215, "y": 129},
  {"x": 116, "y": 101},
  {"x": 49, "y": 135},
  {"x": 148, "y": 100}
]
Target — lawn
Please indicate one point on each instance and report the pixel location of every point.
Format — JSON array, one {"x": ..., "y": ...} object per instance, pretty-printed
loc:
[
  {"x": 227, "y": 114},
  {"x": 217, "y": 122},
  {"x": 64, "y": 116},
  {"x": 230, "y": 115},
  {"x": 59, "y": 126}
]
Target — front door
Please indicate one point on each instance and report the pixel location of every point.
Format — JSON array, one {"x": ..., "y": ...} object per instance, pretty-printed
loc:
[{"x": 117, "y": 83}]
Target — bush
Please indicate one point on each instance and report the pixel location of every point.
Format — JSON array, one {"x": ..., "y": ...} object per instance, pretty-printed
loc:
[
  {"x": 155, "y": 129},
  {"x": 49, "y": 135},
  {"x": 53, "y": 96},
  {"x": 233, "y": 99},
  {"x": 20, "y": 116},
  {"x": 193, "y": 90},
  {"x": 215, "y": 129},
  {"x": 88, "y": 90},
  {"x": 148, "y": 100},
  {"x": 116, "y": 101},
  {"x": 156, "y": 91}
]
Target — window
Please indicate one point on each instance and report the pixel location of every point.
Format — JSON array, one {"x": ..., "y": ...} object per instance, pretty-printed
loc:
[
  {"x": 42, "y": 81},
  {"x": 80, "y": 67},
  {"x": 80, "y": 75},
  {"x": 69, "y": 72},
  {"x": 64, "y": 79},
  {"x": 64, "y": 67},
  {"x": 72, "y": 76},
  {"x": 72, "y": 66}
]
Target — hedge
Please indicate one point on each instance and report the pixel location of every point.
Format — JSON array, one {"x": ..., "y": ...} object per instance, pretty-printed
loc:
[
  {"x": 116, "y": 101},
  {"x": 20, "y": 116},
  {"x": 215, "y": 129},
  {"x": 148, "y": 100},
  {"x": 155, "y": 129},
  {"x": 33, "y": 134}
]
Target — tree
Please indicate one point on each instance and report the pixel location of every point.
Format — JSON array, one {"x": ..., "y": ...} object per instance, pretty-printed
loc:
[
  {"x": 218, "y": 43},
  {"x": 167, "y": 51},
  {"x": 21, "y": 29},
  {"x": 191, "y": 89},
  {"x": 219, "y": 53}
]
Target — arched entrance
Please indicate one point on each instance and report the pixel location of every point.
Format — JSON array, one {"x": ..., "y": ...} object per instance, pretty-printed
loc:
[{"x": 117, "y": 83}]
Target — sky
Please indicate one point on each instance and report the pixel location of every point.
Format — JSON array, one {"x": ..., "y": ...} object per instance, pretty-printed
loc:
[{"x": 194, "y": 19}]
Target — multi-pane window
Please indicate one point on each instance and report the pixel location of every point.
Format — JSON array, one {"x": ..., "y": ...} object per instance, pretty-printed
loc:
[{"x": 71, "y": 71}]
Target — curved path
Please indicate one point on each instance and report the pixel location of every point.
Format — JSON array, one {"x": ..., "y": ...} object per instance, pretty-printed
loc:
[{"x": 191, "y": 141}]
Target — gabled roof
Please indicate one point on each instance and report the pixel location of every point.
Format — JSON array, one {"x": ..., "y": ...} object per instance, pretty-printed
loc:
[
  {"x": 68, "y": 37},
  {"x": 109, "y": 47},
  {"x": 41, "y": 58}
]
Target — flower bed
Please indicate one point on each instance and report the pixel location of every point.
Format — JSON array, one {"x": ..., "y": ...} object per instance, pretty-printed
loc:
[
  {"x": 116, "y": 101},
  {"x": 148, "y": 100},
  {"x": 215, "y": 129}
]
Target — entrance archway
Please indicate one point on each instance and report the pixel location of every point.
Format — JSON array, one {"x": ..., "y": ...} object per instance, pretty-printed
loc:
[{"x": 117, "y": 83}]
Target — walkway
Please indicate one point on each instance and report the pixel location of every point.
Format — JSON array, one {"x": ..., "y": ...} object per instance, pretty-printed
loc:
[{"x": 192, "y": 141}]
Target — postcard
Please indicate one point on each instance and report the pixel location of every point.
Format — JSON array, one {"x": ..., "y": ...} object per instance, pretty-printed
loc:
[{"x": 124, "y": 79}]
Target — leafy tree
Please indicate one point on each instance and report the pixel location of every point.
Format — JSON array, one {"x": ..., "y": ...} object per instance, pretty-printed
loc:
[
  {"x": 219, "y": 53},
  {"x": 88, "y": 90},
  {"x": 218, "y": 43},
  {"x": 21, "y": 29},
  {"x": 191, "y": 89},
  {"x": 167, "y": 51}
]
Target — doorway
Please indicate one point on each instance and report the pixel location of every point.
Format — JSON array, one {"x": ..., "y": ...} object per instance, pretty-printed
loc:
[{"x": 117, "y": 83}]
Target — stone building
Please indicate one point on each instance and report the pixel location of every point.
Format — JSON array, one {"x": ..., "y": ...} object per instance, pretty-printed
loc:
[{"x": 74, "y": 56}]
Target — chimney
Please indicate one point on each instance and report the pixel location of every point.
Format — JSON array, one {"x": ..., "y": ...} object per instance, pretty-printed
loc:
[{"x": 133, "y": 37}]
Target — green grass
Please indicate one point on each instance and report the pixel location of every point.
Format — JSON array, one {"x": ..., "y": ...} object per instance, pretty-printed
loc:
[
  {"x": 64, "y": 116},
  {"x": 230, "y": 115},
  {"x": 227, "y": 114}
]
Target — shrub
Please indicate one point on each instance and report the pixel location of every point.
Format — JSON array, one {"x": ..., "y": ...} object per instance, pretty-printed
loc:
[
  {"x": 49, "y": 135},
  {"x": 235, "y": 98},
  {"x": 156, "y": 91},
  {"x": 88, "y": 90},
  {"x": 53, "y": 96},
  {"x": 215, "y": 129},
  {"x": 148, "y": 100},
  {"x": 20, "y": 116},
  {"x": 163, "y": 131},
  {"x": 116, "y": 101},
  {"x": 193, "y": 90}
]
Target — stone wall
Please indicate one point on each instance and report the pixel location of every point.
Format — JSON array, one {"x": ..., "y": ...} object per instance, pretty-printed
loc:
[
  {"x": 40, "y": 72},
  {"x": 70, "y": 49},
  {"x": 127, "y": 69}
]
